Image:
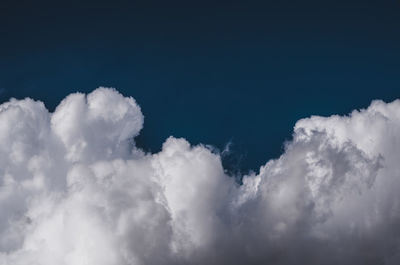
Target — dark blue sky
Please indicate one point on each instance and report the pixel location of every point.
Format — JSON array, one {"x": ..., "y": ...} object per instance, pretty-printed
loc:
[{"x": 210, "y": 72}]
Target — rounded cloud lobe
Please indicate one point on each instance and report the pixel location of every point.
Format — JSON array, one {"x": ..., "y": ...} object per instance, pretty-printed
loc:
[{"x": 75, "y": 190}]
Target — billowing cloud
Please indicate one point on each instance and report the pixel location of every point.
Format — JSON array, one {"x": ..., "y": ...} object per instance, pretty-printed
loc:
[{"x": 75, "y": 190}]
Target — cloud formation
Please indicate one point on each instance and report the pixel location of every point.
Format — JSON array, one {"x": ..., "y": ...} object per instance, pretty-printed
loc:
[{"x": 75, "y": 190}]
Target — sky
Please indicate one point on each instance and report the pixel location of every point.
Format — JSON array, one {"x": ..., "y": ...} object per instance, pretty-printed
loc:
[
  {"x": 237, "y": 132},
  {"x": 239, "y": 72}
]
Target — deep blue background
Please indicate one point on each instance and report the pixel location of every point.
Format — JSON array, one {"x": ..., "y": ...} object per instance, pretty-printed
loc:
[{"x": 211, "y": 72}]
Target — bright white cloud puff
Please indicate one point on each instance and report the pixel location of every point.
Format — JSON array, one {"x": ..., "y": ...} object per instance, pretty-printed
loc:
[{"x": 74, "y": 190}]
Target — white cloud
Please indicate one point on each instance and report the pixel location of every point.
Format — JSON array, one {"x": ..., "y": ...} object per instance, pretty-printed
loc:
[{"x": 75, "y": 190}]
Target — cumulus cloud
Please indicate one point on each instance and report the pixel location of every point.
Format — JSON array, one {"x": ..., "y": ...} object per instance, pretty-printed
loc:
[{"x": 75, "y": 190}]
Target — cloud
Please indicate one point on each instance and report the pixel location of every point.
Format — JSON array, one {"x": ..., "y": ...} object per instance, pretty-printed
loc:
[{"x": 75, "y": 190}]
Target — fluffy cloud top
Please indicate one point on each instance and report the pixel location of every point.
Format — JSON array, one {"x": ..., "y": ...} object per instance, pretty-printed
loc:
[{"x": 74, "y": 190}]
